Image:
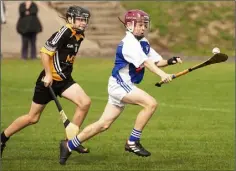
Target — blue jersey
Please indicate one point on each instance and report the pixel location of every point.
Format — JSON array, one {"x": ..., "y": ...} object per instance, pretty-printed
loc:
[{"x": 130, "y": 55}]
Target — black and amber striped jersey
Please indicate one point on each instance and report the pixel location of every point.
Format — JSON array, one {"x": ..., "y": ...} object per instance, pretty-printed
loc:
[{"x": 62, "y": 47}]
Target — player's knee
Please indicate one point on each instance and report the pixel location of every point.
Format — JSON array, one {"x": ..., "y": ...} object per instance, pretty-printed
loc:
[
  {"x": 85, "y": 103},
  {"x": 33, "y": 119},
  {"x": 152, "y": 105},
  {"x": 104, "y": 125}
]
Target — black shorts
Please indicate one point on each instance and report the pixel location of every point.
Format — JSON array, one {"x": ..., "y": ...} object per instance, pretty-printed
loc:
[{"x": 42, "y": 94}]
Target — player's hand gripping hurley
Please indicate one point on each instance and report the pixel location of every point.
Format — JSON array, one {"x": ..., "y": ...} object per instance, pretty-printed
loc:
[
  {"x": 217, "y": 58},
  {"x": 70, "y": 128}
]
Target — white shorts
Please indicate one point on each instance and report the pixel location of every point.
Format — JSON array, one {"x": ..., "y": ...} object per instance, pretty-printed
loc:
[{"x": 117, "y": 90}]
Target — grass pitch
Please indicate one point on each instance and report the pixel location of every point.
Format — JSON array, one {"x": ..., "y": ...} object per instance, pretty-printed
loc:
[{"x": 193, "y": 128}]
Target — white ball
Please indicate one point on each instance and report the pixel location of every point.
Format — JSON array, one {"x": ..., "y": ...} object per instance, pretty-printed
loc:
[{"x": 215, "y": 50}]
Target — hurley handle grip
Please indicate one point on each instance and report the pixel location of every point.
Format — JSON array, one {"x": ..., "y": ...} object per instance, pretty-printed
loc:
[
  {"x": 174, "y": 76},
  {"x": 162, "y": 82}
]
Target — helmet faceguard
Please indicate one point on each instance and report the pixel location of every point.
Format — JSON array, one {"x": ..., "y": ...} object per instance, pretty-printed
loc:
[{"x": 78, "y": 13}]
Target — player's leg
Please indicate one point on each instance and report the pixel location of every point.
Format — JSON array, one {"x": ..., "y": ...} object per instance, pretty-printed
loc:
[
  {"x": 82, "y": 101},
  {"x": 40, "y": 99},
  {"x": 149, "y": 104},
  {"x": 23, "y": 121},
  {"x": 76, "y": 94},
  {"x": 109, "y": 115},
  {"x": 29, "y": 119}
]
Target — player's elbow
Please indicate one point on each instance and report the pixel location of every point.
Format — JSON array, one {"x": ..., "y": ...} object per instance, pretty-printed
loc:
[{"x": 148, "y": 63}]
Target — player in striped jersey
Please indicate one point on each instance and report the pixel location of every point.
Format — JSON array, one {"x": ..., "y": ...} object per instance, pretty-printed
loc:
[{"x": 58, "y": 56}]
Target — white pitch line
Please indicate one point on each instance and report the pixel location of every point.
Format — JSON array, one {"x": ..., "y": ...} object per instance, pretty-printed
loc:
[{"x": 200, "y": 108}]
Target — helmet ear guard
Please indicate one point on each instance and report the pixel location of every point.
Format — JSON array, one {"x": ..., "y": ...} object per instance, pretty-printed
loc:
[
  {"x": 70, "y": 20},
  {"x": 130, "y": 26},
  {"x": 129, "y": 29}
]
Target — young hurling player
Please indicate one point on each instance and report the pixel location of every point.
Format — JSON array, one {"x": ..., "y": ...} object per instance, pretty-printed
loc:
[
  {"x": 58, "y": 56},
  {"x": 133, "y": 55}
]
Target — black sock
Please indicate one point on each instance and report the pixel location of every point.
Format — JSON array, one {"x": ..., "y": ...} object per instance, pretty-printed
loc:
[{"x": 4, "y": 139}]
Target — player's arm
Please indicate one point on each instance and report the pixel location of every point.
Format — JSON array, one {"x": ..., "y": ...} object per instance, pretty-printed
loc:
[
  {"x": 48, "y": 73},
  {"x": 51, "y": 46},
  {"x": 151, "y": 66},
  {"x": 171, "y": 61},
  {"x": 160, "y": 62},
  {"x": 157, "y": 58},
  {"x": 139, "y": 58}
]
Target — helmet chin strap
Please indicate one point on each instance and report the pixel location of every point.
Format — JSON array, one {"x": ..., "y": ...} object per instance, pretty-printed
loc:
[{"x": 78, "y": 31}]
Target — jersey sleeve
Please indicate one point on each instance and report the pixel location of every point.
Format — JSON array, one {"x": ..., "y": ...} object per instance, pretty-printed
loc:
[
  {"x": 133, "y": 53},
  {"x": 154, "y": 55},
  {"x": 56, "y": 41}
]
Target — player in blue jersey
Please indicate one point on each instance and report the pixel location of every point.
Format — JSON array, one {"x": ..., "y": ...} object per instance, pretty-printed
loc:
[{"x": 133, "y": 55}]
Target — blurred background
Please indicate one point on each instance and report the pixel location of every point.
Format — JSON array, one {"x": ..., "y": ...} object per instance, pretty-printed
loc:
[{"x": 186, "y": 28}]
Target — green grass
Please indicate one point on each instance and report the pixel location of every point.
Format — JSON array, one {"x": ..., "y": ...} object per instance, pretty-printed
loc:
[
  {"x": 182, "y": 33},
  {"x": 193, "y": 128}
]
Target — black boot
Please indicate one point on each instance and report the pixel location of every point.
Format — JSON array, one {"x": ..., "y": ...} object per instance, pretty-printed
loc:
[
  {"x": 137, "y": 149},
  {"x": 64, "y": 152}
]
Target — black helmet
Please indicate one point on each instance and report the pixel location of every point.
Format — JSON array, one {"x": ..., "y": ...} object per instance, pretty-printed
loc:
[
  {"x": 77, "y": 11},
  {"x": 74, "y": 12}
]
